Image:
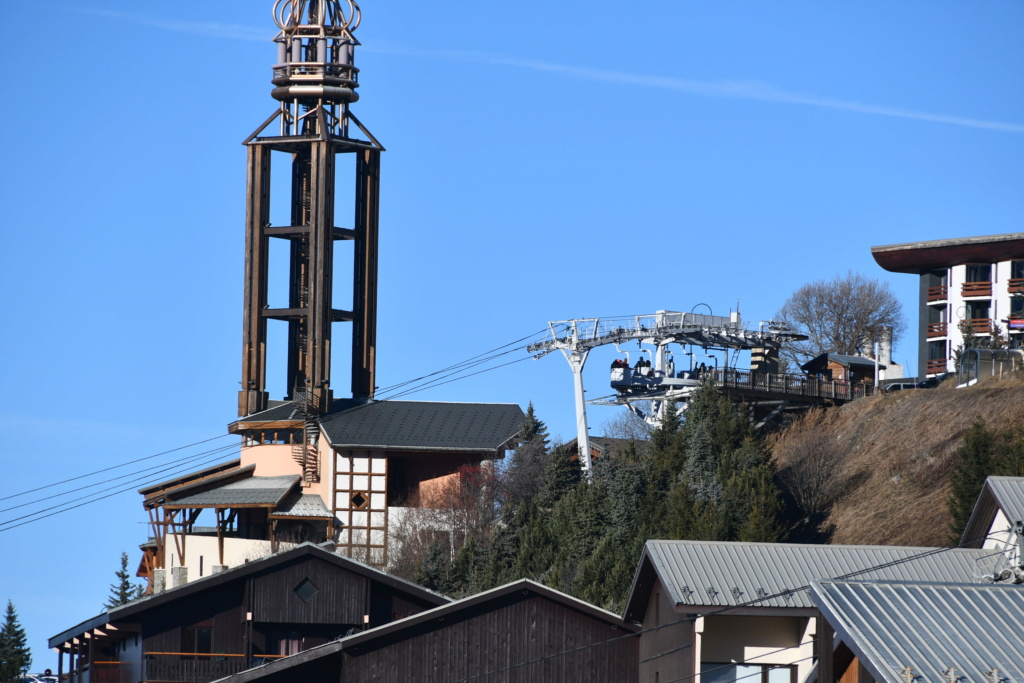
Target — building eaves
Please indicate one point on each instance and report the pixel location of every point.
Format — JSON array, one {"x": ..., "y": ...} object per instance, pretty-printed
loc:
[
  {"x": 211, "y": 473},
  {"x": 973, "y": 629},
  {"x": 78, "y": 630},
  {"x": 920, "y": 257}
]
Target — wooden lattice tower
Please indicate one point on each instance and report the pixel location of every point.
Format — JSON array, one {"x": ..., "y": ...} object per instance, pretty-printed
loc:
[{"x": 315, "y": 81}]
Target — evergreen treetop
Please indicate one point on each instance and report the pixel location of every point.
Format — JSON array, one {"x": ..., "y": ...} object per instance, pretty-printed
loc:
[
  {"x": 15, "y": 657},
  {"x": 123, "y": 591}
]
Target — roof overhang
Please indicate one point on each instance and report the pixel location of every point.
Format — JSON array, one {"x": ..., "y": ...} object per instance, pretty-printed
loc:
[{"x": 920, "y": 257}]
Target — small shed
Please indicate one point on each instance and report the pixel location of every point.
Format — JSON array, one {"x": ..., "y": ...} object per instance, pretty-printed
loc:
[{"x": 842, "y": 368}]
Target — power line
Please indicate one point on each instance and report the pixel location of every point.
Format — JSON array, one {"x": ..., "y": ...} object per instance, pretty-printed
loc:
[
  {"x": 186, "y": 459},
  {"x": 446, "y": 375},
  {"x": 112, "y": 467},
  {"x": 66, "y": 506}
]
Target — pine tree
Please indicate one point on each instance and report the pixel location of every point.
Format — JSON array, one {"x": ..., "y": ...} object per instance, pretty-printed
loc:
[
  {"x": 434, "y": 572},
  {"x": 124, "y": 591},
  {"x": 972, "y": 463},
  {"x": 561, "y": 475},
  {"x": 15, "y": 658},
  {"x": 522, "y": 478}
]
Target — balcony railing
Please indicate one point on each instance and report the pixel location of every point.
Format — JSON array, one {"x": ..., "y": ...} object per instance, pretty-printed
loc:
[
  {"x": 936, "y": 366},
  {"x": 938, "y": 293},
  {"x": 977, "y": 289},
  {"x": 938, "y": 330},
  {"x": 1016, "y": 285},
  {"x": 197, "y": 668},
  {"x": 976, "y": 326}
]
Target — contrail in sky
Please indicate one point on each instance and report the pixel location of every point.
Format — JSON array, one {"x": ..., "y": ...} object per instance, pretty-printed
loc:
[{"x": 748, "y": 90}]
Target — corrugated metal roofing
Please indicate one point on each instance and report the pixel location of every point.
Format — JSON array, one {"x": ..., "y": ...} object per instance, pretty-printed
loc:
[
  {"x": 1005, "y": 493},
  {"x": 971, "y": 628},
  {"x": 720, "y": 573},
  {"x": 1009, "y": 493},
  {"x": 415, "y": 425},
  {"x": 266, "y": 491}
]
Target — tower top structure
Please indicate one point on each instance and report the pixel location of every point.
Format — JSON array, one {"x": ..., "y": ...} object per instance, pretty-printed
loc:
[
  {"x": 315, "y": 81},
  {"x": 315, "y": 50}
]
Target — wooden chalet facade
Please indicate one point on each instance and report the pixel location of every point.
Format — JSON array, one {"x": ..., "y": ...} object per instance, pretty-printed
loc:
[
  {"x": 231, "y": 621},
  {"x": 522, "y": 631},
  {"x": 368, "y": 467}
]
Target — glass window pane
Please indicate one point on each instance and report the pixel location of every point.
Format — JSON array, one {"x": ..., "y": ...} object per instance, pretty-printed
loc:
[{"x": 780, "y": 674}]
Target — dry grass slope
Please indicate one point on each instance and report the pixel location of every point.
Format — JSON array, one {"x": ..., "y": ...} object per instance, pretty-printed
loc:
[{"x": 892, "y": 458}]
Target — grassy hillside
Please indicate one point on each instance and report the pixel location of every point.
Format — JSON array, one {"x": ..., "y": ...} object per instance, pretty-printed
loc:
[{"x": 878, "y": 469}]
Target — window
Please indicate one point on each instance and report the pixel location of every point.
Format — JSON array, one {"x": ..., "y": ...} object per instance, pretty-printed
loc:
[
  {"x": 978, "y": 310},
  {"x": 938, "y": 278},
  {"x": 198, "y": 638},
  {"x": 1016, "y": 269},
  {"x": 723, "y": 672},
  {"x": 979, "y": 272}
]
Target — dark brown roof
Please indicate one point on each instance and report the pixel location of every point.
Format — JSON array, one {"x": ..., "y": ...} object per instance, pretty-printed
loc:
[
  {"x": 298, "y": 666},
  {"x": 129, "y": 612},
  {"x": 920, "y": 257}
]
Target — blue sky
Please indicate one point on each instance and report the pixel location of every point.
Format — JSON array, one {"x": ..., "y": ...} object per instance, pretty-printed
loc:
[{"x": 578, "y": 160}]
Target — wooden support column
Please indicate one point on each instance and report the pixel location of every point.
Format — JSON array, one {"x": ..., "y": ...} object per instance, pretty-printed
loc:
[
  {"x": 364, "y": 324},
  {"x": 823, "y": 646},
  {"x": 252, "y": 397}
]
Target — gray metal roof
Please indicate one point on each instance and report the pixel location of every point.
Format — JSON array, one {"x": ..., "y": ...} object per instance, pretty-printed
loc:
[
  {"x": 719, "y": 573},
  {"x": 1009, "y": 493},
  {"x": 254, "y": 491},
  {"x": 931, "y": 627},
  {"x": 416, "y": 425},
  {"x": 304, "y": 506},
  {"x": 999, "y": 493}
]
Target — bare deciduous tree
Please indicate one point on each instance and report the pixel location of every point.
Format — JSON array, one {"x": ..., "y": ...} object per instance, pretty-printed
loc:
[
  {"x": 809, "y": 458},
  {"x": 628, "y": 425},
  {"x": 840, "y": 315}
]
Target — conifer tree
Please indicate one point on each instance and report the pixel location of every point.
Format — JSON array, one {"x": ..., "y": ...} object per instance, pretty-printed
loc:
[
  {"x": 15, "y": 657},
  {"x": 434, "y": 571},
  {"x": 522, "y": 478},
  {"x": 124, "y": 591},
  {"x": 561, "y": 475},
  {"x": 972, "y": 462}
]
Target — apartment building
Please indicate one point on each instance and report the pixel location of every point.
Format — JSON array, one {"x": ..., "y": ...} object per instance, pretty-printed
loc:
[{"x": 971, "y": 290}]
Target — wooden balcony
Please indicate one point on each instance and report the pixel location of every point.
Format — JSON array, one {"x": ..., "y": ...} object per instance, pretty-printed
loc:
[
  {"x": 938, "y": 330},
  {"x": 976, "y": 326},
  {"x": 938, "y": 293},
  {"x": 195, "y": 668},
  {"x": 976, "y": 289},
  {"x": 1015, "y": 285},
  {"x": 936, "y": 366}
]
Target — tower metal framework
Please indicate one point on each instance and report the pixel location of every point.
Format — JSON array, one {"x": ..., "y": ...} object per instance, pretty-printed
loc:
[
  {"x": 576, "y": 338},
  {"x": 315, "y": 83}
]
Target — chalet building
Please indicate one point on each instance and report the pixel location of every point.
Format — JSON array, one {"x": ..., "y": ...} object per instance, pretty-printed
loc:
[
  {"x": 370, "y": 467},
  {"x": 894, "y": 632},
  {"x": 522, "y": 631},
  {"x": 838, "y": 367},
  {"x": 717, "y": 612},
  {"x": 968, "y": 286},
  {"x": 236, "y": 619}
]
